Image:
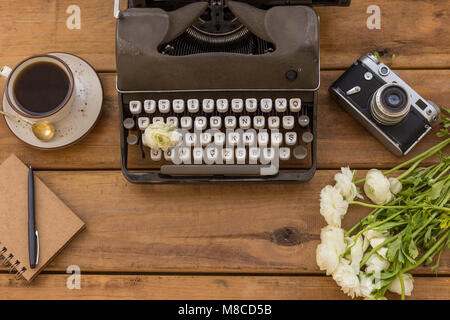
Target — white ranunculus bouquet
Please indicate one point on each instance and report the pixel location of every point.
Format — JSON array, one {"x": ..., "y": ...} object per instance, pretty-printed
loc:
[{"x": 409, "y": 226}]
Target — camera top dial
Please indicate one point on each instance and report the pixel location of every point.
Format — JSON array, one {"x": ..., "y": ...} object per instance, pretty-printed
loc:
[{"x": 390, "y": 104}]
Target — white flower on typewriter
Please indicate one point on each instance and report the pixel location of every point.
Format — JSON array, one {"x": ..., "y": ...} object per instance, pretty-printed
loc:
[
  {"x": 331, "y": 247},
  {"x": 347, "y": 279},
  {"x": 396, "y": 286},
  {"x": 332, "y": 206},
  {"x": 395, "y": 185},
  {"x": 376, "y": 264},
  {"x": 345, "y": 185},
  {"x": 161, "y": 136},
  {"x": 377, "y": 187}
]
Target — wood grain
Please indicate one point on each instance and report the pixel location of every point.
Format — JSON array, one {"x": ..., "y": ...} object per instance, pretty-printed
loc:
[
  {"x": 236, "y": 228},
  {"x": 408, "y": 30},
  {"x": 342, "y": 141},
  {"x": 198, "y": 287}
]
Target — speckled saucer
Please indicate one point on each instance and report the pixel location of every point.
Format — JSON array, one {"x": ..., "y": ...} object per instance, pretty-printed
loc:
[{"x": 82, "y": 118}]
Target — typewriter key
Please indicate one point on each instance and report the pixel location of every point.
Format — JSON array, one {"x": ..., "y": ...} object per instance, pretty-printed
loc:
[
  {"x": 128, "y": 123},
  {"x": 303, "y": 121},
  {"x": 132, "y": 139},
  {"x": 307, "y": 137},
  {"x": 300, "y": 152}
]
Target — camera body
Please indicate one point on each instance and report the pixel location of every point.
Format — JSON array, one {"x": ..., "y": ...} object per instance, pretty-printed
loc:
[{"x": 384, "y": 104}]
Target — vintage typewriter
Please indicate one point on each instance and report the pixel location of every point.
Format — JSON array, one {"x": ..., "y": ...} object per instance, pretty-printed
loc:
[{"x": 238, "y": 78}]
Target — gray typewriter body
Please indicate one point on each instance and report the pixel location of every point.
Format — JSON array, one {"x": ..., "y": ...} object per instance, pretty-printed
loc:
[{"x": 220, "y": 70}]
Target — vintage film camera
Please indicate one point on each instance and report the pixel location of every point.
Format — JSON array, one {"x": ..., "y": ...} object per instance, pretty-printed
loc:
[{"x": 384, "y": 104}]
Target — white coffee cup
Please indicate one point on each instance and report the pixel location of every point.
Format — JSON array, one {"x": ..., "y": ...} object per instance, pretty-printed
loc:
[{"x": 58, "y": 112}]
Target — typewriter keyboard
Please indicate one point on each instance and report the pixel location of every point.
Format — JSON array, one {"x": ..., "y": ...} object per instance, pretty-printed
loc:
[{"x": 227, "y": 136}]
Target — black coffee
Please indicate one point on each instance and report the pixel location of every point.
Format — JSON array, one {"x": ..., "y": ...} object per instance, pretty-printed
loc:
[{"x": 41, "y": 87}]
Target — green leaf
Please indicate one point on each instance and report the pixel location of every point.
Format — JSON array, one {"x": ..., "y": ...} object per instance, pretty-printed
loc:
[
  {"x": 413, "y": 251},
  {"x": 428, "y": 235},
  {"x": 408, "y": 192},
  {"x": 394, "y": 249},
  {"x": 408, "y": 257},
  {"x": 436, "y": 190},
  {"x": 377, "y": 54}
]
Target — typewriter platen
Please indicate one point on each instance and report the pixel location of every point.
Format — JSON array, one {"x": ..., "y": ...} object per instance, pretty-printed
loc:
[{"x": 238, "y": 78}]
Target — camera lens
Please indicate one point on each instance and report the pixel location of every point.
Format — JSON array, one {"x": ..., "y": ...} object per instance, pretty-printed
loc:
[
  {"x": 394, "y": 99},
  {"x": 390, "y": 104}
]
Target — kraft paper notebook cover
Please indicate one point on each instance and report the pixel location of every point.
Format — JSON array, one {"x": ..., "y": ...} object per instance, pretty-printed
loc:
[{"x": 55, "y": 222}]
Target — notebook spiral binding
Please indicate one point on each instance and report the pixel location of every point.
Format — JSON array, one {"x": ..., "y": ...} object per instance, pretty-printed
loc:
[{"x": 8, "y": 262}]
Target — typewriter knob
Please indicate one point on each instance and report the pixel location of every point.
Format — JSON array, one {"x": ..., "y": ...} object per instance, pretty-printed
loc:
[{"x": 291, "y": 75}]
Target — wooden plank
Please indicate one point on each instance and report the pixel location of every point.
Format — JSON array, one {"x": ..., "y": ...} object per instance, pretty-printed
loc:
[
  {"x": 342, "y": 141},
  {"x": 29, "y": 27},
  {"x": 243, "y": 228},
  {"x": 409, "y": 29},
  {"x": 123, "y": 287}
]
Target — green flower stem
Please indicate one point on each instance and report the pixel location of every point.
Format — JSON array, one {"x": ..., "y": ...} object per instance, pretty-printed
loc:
[
  {"x": 420, "y": 157},
  {"x": 349, "y": 232},
  {"x": 443, "y": 172},
  {"x": 439, "y": 252},
  {"x": 373, "y": 213},
  {"x": 370, "y": 227},
  {"x": 399, "y": 207},
  {"x": 402, "y": 284},
  {"x": 435, "y": 170},
  {"x": 444, "y": 201},
  {"x": 411, "y": 169}
]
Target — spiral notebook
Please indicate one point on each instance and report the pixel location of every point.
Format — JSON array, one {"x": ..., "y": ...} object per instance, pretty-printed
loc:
[{"x": 56, "y": 223}]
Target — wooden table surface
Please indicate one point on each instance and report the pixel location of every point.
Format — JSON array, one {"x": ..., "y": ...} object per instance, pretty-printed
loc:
[{"x": 216, "y": 240}]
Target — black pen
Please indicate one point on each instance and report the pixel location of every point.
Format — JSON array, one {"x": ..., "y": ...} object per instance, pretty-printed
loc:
[{"x": 33, "y": 236}]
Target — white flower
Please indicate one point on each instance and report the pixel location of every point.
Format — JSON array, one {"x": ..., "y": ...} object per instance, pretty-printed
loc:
[
  {"x": 375, "y": 238},
  {"x": 345, "y": 185},
  {"x": 395, "y": 185},
  {"x": 371, "y": 234},
  {"x": 332, "y": 246},
  {"x": 334, "y": 235},
  {"x": 382, "y": 252},
  {"x": 327, "y": 259},
  {"x": 396, "y": 287},
  {"x": 375, "y": 242},
  {"x": 356, "y": 252},
  {"x": 161, "y": 136},
  {"x": 365, "y": 244},
  {"x": 376, "y": 264},
  {"x": 366, "y": 286},
  {"x": 377, "y": 187},
  {"x": 347, "y": 279},
  {"x": 332, "y": 206}
]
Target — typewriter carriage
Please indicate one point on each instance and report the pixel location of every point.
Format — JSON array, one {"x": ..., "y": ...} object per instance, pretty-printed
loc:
[{"x": 141, "y": 67}]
